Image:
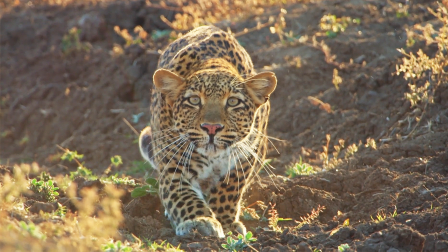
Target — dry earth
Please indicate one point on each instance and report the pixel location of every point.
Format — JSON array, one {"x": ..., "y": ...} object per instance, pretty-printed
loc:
[{"x": 51, "y": 95}]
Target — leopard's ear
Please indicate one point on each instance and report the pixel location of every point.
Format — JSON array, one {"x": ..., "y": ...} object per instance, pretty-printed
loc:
[
  {"x": 261, "y": 86},
  {"x": 169, "y": 84}
]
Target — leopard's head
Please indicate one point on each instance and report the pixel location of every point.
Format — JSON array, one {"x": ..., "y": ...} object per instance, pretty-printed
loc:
[{"x": 214, "y": 108}]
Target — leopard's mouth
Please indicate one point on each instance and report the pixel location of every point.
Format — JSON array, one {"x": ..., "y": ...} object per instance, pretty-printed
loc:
[{"x": 211, "y": 149}]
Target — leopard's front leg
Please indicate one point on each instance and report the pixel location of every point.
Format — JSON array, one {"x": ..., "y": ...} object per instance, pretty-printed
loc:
[
  {"x": 186, "y": 207},
  {"x": 225, "y": 198}
]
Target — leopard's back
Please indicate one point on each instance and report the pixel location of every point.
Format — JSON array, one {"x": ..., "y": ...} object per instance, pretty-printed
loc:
[{"x": 187, "y": 54}]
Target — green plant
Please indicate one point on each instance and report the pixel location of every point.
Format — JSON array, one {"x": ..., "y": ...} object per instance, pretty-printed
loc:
[
  {"x": 116, "y": 247},
  {"x": 140, "y": 167},
  {"x": 61, "y": 211},
  {"x": 274, "y": 219},
  {"x": 333, "y": 25},
  {"x": 32, "y": 230},
  {"x": 402, "y": 11},
  {"x": 118, "y": 181},
  {"x": 24, "y": 140},
  {"x": 151, "y": 187},
  {"x": 382, "y": 215},
  {"x": 82, "y": 172},
  {"x": 45, "y": 189},
  {"x": 71, "y": 155},
  {"x": 343, "y": 247},
  {"x": 71, "y": 42},
  {"x": 299, "y": 168},
  {"x": 240, "y": 244},
  {"x": 116, "y": 160},
  {"x": 162, "y": 246}
]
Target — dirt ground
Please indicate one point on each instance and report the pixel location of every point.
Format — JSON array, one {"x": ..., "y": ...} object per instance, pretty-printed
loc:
[{"x": 56, "y": 94}]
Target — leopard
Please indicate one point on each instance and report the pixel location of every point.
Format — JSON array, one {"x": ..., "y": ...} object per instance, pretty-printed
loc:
[{"x": 207, "y": 131}]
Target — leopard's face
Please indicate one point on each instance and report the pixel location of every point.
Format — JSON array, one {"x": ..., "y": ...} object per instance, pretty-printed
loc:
[{"x": 214, "y": 111}]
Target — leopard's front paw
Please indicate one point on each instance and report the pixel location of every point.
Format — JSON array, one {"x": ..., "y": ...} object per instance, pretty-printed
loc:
[
  {"x": 206, "y": 226},
  {"x": 237, "y": 226}
]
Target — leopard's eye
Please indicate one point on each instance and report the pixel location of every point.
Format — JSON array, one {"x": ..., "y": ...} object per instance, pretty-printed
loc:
[
  {"x": 232, "y": 102},
  {"x": 195, "y": 100}
]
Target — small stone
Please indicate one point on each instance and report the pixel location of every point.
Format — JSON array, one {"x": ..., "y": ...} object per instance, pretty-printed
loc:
[
  {"x": 303, "y": 247},
  {"x": 92, "y": 26},
  {"x": 44, "y": 207},
  {"x": 360, "y": 59},
  {"x": 194, "y": 245}
]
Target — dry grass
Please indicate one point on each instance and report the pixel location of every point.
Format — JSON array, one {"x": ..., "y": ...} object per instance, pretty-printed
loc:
[{"x": 95, "y": 223}]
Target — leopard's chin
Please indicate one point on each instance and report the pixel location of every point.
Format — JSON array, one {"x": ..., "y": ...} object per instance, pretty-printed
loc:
[{"x": 211, "y": 149}]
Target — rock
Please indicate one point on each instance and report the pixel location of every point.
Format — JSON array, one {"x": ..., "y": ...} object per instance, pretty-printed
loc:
[
  {"x": 194, "y": 245},
  {"x": 303, "y": 247},
  {"x": 393, "y": 250},
  {"x": 368, "y": 99},
  {"x": 92, "y": 26},
  {"x": 360, "y": 59},
  {"x": 44, "y": 207}
]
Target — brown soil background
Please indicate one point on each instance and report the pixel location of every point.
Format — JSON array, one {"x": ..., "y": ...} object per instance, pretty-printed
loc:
[{"x": 79, "y": 100}]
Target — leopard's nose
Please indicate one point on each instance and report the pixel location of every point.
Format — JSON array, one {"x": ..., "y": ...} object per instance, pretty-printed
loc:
[{"x": 212, "y": 129}]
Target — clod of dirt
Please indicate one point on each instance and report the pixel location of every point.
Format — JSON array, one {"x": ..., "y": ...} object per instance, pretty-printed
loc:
[
  {"x": 149, "y": 227},
  {"x": 144, "y": 206},
  {"x": 36, "y": 206},
  {"x": 6, "y": 170},
  {"x": 92, "y": 26},
  {"x": 82, "y": 182},
  {"x": 397, "y": 238}
]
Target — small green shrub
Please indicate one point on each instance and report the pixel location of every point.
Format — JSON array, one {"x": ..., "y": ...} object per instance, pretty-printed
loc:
[
  {"x": 71, "y": 42},
  {"x": 343, "y": 247},
  {"x": 31, "y": 229},
  {"x": 44, "y": 189},
  {"x": 333, "y": 25},
  {"x": 116, "y": 247},
  {"x": 140, "y": 167},
  {"x": 299, "y": 168},
  {"x": 83, "y": 172},
  {"x": 151, "y": 187},
  {"x": 118, "y": 181},
  {"x": 164, "y": 246},
  {"x": 116, "y": 160},
  {"x": 240, "y": 244}
]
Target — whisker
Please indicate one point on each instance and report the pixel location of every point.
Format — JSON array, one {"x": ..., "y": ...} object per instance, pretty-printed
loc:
[
  {"x": 267, "y": 137},
  {"x": 228, "y": 167},
  {"x": 267, "y": 167},
  {"x": 241, "y": 165},
  {"x": 159, "y": 144},
  {"x": 183, "y": 140},
  {"x": 179, "y": 138},
  {"x": 177, "y": 166},
  {"x": 237, "y": 158},
  {"x": 270, "y": 137}
]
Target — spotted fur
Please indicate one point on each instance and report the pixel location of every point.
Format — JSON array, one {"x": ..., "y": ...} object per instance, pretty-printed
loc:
[{"x": 207, "y": 136}]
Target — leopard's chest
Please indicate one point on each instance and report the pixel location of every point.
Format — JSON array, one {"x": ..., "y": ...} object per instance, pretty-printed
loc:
[{"x": 210, "y": 174}]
